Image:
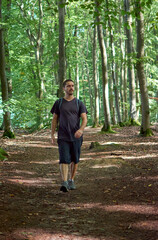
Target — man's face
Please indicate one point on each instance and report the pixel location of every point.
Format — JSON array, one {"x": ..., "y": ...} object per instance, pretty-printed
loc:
[{"x": 69, "y": 88}]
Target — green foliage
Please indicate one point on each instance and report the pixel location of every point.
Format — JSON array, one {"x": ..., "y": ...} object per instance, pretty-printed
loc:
[{"x": 3, "y": 154}]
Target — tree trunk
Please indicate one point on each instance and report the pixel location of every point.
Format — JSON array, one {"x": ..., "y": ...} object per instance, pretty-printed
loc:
[
  {"x": 113, "y": 70},
  {"x": 122, "y": 70},
  {"x": 77, "y": 66},
  {"x": 77, "y": 82},
  {"x": 8, "y": 68},
  {"x": 145, "y": 124},
  {"x": 39, "y": 63},
  {"x": 90, "y": 93},
  {"x": 131, "y": 74},
  {"x": 95, "y": 79},
  {"x": 125, "y": 91},
  {"x": 4, "y": 85},
  {"x": 61, "y": 71},
  {"x": 107, "y": 122}
]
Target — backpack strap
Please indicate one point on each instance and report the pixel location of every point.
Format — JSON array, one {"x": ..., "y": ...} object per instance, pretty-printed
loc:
[
  {"x": 78, "y": 104},
  {"x": 60, "y": 102}
]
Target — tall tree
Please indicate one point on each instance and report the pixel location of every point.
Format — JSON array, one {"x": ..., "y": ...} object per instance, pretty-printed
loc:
[
  {"x": 8, "y": 131},
  {"x": 145, "y": 124},
  {"x": 113, "y": 68},
  {"x": 6, "y": 43},
  {"x": 107, "y": 121},
  {"x": 130, "y": 51},
  {"x": 61, "y": 70},
  {"x": 95, "y": 79}
]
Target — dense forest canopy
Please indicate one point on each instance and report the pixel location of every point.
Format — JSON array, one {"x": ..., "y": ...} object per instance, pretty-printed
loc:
[{"x": 31, "y": 48}]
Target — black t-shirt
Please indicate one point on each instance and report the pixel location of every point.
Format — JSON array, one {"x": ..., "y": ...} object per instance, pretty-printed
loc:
[{"x": 69, "y": 113}]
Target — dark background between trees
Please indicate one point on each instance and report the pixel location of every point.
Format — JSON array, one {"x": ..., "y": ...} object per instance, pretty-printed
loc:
[{"x": 109, "y": 48}]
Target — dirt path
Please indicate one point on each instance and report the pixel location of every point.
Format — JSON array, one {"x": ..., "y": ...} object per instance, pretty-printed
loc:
[{"x": 116, "y": 196}]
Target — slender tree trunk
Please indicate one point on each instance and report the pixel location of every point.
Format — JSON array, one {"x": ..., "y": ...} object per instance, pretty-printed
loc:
[
  {"x": 90, "y": 93},
  {"x": 77, "y": 82},
  {"x": 131, "y": 74},
  {"x": 8, "y": 68},
  {"x": 145, "y": 125},
  {"x": 61, "y": 71},
  {"x": 4, "y": 85},
  {"x": 39, "y": 63},
  {"x": 122, "y": 68},
  {"x": 95, "y": 79},
  {"x": 40, "y": 51},
  {"x": 113, "y": 70},
  {"x": 77, "y": 66},
  {"x": 107, "y": 122},
  {"x": 89, "y": 83},
  {"x": 125, "y": 91}
]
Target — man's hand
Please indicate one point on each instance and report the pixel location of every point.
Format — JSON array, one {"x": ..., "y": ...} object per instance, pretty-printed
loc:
[{"x": 78, "y": 133}]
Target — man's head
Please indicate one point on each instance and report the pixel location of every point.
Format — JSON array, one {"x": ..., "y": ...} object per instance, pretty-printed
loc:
[
  {"x": 66, "y": 81},
  {"x": 68, "y": 87}
]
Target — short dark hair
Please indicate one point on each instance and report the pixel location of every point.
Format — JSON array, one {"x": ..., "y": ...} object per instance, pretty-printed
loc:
[{"x": 67, "y": 80}]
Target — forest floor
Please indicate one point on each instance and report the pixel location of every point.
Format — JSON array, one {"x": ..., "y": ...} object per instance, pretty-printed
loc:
[{"x": 116, "y": 196}]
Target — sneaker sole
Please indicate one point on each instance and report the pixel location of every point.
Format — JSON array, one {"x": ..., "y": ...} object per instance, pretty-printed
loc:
[
  {"x": 72, "y": 188},
  {"x": 64, "y": 189}
]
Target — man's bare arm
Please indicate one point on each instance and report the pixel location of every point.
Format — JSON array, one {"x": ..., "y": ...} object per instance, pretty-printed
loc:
[
  {"x": 53, "y": 127},
  {"x": 79, "y": 132}
]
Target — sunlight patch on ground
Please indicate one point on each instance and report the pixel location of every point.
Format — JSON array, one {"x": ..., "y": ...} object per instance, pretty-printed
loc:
[
  {"x": 91, "y": 130},
  {"x": 105, "y": 166},
  {"x": 146, "y": 225},
  {"x": 40, "y": 234},
  {"x": 154, "y": 178},
  {"x": 24, "y": 172},
  {"x": 32, "y": 144},
  {"x": 137, "y": 209},
  {"x": 45, "y": 163},
  {"x": 114, "y": 143},
  {"x": 9, "y": 162},
  {"x": 84, "y": 159},
  {"x": 140, "y": 157},
  {"x": 33, "y": 181},
  {"x": 145, "y": 143}
]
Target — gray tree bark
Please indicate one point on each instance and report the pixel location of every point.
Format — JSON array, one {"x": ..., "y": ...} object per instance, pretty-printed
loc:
[
  {"x": 95, "y": 79},
  {"x": 113, "y": 70},
  {"x": 4, "y": 84},
  {"x": 61, "y": 71},
  {"x": 145, "y": 124},
  {"x": 107, "y": 121},
  {"x": 130, "y": 51}
]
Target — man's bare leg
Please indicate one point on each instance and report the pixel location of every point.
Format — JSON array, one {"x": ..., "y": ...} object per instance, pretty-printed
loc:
[
  {"x": 64, "y": 171},
  {"x": 73, "y": 170},
  {"x": 64, "y": 174}
]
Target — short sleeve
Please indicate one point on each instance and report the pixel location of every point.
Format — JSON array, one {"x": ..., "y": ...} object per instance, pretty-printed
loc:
[
  {"x": 55, "y": 108},
  {"x": 82, "y": 108}
]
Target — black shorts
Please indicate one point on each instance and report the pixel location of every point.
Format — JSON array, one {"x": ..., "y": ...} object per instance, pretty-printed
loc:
[{"x": 69, "y": 151}]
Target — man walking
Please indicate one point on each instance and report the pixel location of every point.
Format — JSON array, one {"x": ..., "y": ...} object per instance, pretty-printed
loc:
[{"x": 68, "y": 111}]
